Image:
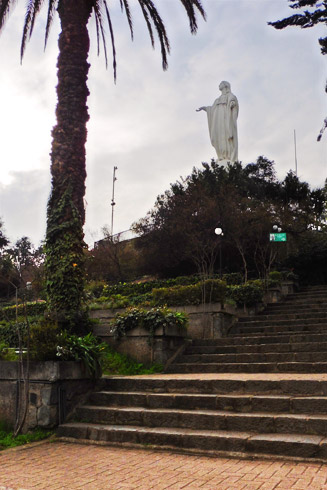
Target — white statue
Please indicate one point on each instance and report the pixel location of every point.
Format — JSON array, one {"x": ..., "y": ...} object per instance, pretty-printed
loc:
[{"x": 222, "y": 121}]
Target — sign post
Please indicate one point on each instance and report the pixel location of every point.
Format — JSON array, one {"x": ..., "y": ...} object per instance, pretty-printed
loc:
[{"x": 277, "y": 237}]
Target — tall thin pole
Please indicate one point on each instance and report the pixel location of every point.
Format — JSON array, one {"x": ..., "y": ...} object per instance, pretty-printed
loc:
[
  {"x": 114, "y": 178},
  {"x": 295, "y": 152}
]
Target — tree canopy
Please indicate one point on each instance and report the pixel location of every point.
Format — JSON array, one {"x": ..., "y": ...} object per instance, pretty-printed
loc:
[
  {"x": 314, "y": 12},
  {"x": 177, "y": 235}
]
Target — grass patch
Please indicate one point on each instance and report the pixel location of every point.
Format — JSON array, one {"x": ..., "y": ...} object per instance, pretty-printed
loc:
[
  {"x": 120, "y": 364},
  {"x": 7, "y": 440}
]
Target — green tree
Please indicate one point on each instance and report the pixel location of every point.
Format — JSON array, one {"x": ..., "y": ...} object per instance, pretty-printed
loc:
[
  {"x": 313, "y": 12},
  {"x": 3, "y": 239},
  {"x": 65, "y": 247},
  {"x": 245, "y": 202}
]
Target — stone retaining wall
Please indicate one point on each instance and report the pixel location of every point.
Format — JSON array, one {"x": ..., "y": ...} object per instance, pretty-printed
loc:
[
  {"x": 55, "y": 388},
  {"x": 207, "y": 321}
]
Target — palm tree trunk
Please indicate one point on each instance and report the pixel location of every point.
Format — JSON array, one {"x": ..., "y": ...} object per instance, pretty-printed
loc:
[{"x": 66, "y": 215}]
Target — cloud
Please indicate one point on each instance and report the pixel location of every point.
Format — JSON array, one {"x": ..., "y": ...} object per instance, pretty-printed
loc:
[{"x": 23, "y": 205}]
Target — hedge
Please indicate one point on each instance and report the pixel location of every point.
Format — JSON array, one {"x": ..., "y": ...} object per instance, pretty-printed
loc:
[
  {"x": 209, "y": 291},
  {"x": 32, "y": 309},
  {"x": 148, "y": 319},
  {"x": 246, "y": 295}
]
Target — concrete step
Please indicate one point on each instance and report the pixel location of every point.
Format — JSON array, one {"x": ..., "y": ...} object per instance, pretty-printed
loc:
[
  {"x": 277, "y": 323},
  {"x": 253, "y": 367},
  {"x": 294, "y": 307},
  {"x": 306, "y": 446},
  {"x": 254, "y": 357},
  {"x": 283, "y": 317},
  {"x": 235, "y": 383},
  {"x": 309, "y": 293},
  {"x": 306, "y": 327},
  {"x": 258, "y": 348},
  {"x": 193, "y": 401},
  {"x": 234, "y": 340},
  {"x": 201, "y": 419}
]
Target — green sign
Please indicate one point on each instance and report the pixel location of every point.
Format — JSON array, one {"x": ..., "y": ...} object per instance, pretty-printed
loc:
[{"x": 277, "y": 237}]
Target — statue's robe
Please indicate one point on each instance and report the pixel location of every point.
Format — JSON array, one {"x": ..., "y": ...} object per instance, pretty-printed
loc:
[{"x": 222, "y": 121}]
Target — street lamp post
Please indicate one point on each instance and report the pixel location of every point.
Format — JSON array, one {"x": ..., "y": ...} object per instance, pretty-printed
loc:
[{"x": 219, "y": 232}]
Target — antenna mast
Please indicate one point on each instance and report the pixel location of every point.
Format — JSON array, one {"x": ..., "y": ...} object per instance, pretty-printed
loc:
[
  {"x": 114, "y": 178},
  {"x": 295, "y": 152}
]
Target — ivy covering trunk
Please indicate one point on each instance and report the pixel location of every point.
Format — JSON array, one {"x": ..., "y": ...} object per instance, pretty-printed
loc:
[{"x": 65, "y": 238}]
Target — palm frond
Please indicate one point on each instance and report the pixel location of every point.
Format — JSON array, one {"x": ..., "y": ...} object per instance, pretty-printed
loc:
[
  {"x": 148, "y": 23},
  {"x": 160, "y": 28},
  {"x": 37, "y": 7},
  {"x": 5, "y": 6},
  {"x": 98, "y": 34},
  {"x": 124, "y": 5},
  {"x": 51, "y": 11},
  {"x": 100, "y": 29},
  {"x": 114, "y": 61},
  {"x": 33, "y": 7},
  {"x": 190, "y": 6}
]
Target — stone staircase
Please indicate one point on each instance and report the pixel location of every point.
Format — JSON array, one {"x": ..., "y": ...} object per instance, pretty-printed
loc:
[
  {"x": 286, "y": 337},
  {"x": 260, "y": 391}
]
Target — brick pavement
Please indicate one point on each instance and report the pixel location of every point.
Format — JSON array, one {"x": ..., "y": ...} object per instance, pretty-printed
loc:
[{"x": 62, "y": 465}]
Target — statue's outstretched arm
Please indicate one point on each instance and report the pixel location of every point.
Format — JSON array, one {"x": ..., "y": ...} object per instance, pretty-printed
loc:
[{"x": 203, "y": 108}]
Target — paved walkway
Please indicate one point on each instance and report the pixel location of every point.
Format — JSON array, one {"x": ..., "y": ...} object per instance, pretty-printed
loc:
[{"x": 59, "y": 465}]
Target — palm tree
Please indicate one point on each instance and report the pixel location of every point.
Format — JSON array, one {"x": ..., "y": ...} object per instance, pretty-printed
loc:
[{"x": 66, "y": 215}]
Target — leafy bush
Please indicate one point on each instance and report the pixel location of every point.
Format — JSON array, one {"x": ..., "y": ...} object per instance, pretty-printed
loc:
[
  {"x": 120, "y": 364},
  {"x": 9, "y": 332},
  {"x": 289, "y": 276},
  {"x": 94, "y": 289},
  {"x": 148, "y": 319},
  {"x": 44, "y": 340},
  {"x": 9, "y": 312},
  {"x": 274, "y": 278},
  {"x": 247, "y": 294},
  {"x": 211, "y": 290},
  {"x": 3, "y": 349},
  {"x": 7, "y": 438},
  {"x": 233, "y": 279},
  {"x": 87, "y": 349},
  {"x": 140, "y": 288}
]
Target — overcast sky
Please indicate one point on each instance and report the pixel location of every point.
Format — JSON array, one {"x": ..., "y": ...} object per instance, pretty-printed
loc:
[{"x": 146, "y": 124}]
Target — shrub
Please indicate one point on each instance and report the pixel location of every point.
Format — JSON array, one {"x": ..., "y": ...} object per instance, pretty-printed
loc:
[
  {"x": 233, "y": 279},
  {"x": 140, "y": 288},
  {"x": 7, "y": 353},
  {"x": 246, "y": 295},
  {"x": 88, "y": 349},
  {"x": 9, "y": 312},
  {"x": 7, "y": 438},
  {"x": 274, "y": 278},
  {"x": 289, "y": 276},
  {"x": 94, "y": 289},
  {"x": 211, "y": 290},
  {"x": 9, "y": 332},
  {"x": 3, "y": 349},
  {"x": 148, "y": 319},
  {"x": 44, "y": 340},
  {"x": 120, "y": 364}
]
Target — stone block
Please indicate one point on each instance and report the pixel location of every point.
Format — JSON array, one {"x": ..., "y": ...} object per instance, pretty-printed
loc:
[
  {"x": 31, "y": 419},
  {"x": 8, "y": 396},
  {"x": 49, "y": 395},
  {"x": 47, "y": 416}
]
